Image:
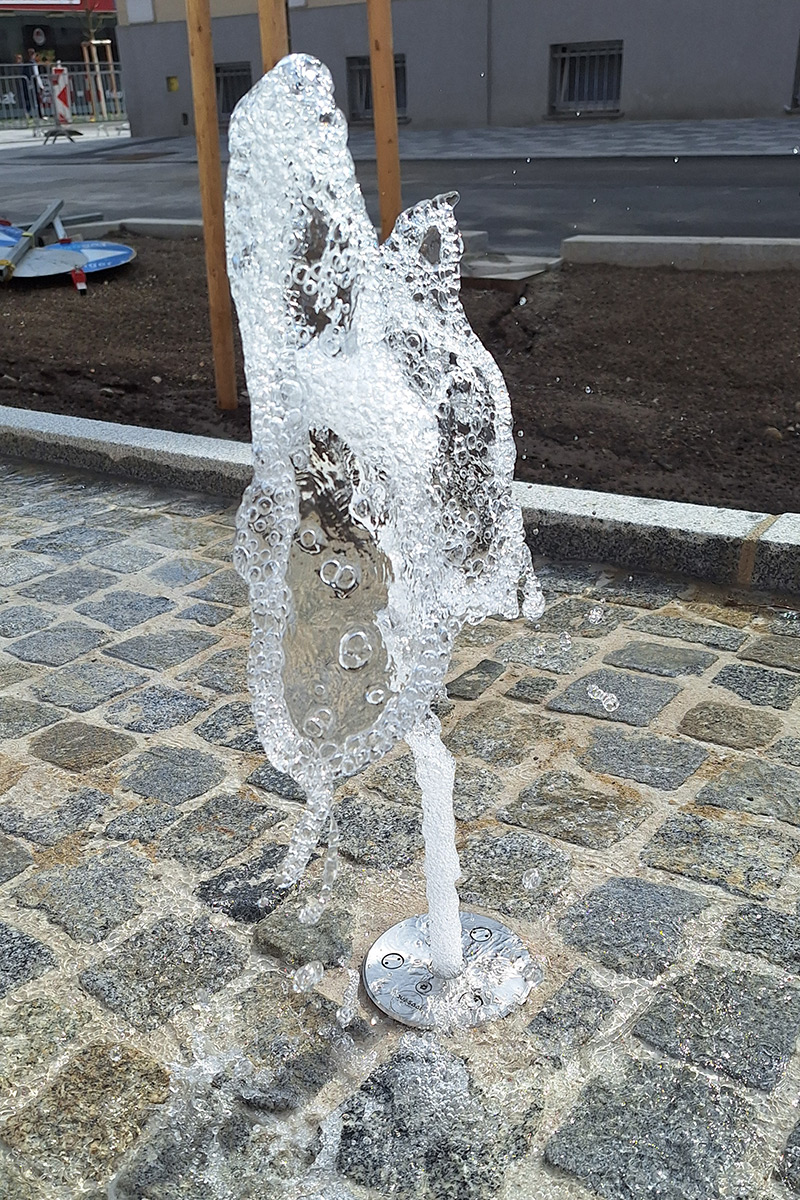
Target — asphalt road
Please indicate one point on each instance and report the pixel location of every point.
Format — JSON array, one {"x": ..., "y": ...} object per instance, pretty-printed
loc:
[{"x": 524, "y": 206}]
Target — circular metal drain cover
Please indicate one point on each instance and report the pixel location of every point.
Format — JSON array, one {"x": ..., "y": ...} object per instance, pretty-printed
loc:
[{"x": 498, "y": 975}]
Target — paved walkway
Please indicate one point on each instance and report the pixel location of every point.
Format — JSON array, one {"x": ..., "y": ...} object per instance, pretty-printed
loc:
[{"x": 628, "y": 800}]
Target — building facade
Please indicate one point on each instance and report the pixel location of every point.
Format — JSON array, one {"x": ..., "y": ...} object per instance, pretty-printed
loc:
[
  {"x": 473, "y": 63},
  {"x": 55, "y": 29}
]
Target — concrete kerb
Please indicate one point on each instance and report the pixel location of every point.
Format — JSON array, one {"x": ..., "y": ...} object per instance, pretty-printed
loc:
[
  {"x": 723, "y": 546},
  {"x": 684, "y": 253}
]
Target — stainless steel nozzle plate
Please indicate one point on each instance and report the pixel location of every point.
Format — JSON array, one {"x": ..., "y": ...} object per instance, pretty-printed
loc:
[{"x": 498, "y": 975}]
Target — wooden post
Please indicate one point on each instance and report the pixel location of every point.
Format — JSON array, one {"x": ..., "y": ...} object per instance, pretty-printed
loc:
[
  {"x": 274, "y": 30},
  {"x": 204, "y": 95},
  {"x": 384, "y": 105}
]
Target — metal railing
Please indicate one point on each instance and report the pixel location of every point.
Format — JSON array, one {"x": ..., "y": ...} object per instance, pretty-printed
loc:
[
  {"x": 26, "y": 99},
  {"x": 585, "y": 77}
]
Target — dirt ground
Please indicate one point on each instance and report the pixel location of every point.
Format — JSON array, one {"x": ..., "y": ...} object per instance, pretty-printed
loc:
[{"x": 684, "y": 386}]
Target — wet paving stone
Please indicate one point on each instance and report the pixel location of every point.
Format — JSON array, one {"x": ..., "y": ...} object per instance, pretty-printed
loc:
[
  {"x": 248, "y": 892},
  {"x": 268, "y": 779},
  {"x": 419, "y": 1127},
  {"x": 176, "y": 533},
  {"x": 20, "y": 717},
  {"x": 473, "y": 637},
  {"x": 745, "y": 860},
  {"x": 501, "y": 736},
  {"x": 90, "y": 1113},
  {"x": 473, "y": 683},
  {"x": 774, "y": 652},
  {"x": 774, "y": 936},
  {"x": 68, "y": 586},
  {"x": 282, "y": 935},
  {"x": 78, "y": 810},
  {"x": 475, "y": 790},
  {"x": 759, "y": 686},
  {"x": 173, "y": 775},
  {"x": 658, "y": 1131},
  {"x": 14, "y": 858},
  {"x": 221, "y": 827},
  {"x": 640, "y": 699},
  {"x": 717, "y": 637},
  {"x": 142, "y": 824},
  {"x": 162, "y": 969},
  {"x": 531, "y": 689},
  {"x": 205, "y": 614},
  {"x": 18, "y": 619},
  {"x": 225, "y": 672},
  {"x": 570, "y": 1019},
  {"x": 742, "y": 1025},
  {"x": 12, "y": 672},
  {"x": 655, "y": 658},
  {"x": 516, "y": 874},
  {"x": 126, "y": 558},
  {"x": 661, "y": 762},
  {"x": 753, "y": 786},
  {"x": 154, "y": 709},
  {"x": 124, "y": 610},
  {"x": 182, "y": 571},
  {"x": 226, "y": 587},
  {"x": 58, "y": 645},
  {"x": 632, "y": 926},
  {"x": 546, "y": 652},
  {"x": 69, "y": 545},
  {"x": 375, "y": 834},
  {"x": 787, "y": 750},
  {"x": 86, "y": 685},
  {"x": 76, "y": 746},
  {"x": 156, "y": 651},
  {"x": 789, "y": 1166},
  {"x": 91, "y": 899},
  {"x": 231, "y": 726},
  {"x": 21, "y": 958},
  {"x": 638, "y": 590},
  {"x": 729, "y": 725},
  {"x": 579, "y": 617},
  {"x": 16, "y": 567},
  {"x": 568, "y": 577},
  {"x": 561, "y": 806},
  {"x": 33, "y": 1033}
]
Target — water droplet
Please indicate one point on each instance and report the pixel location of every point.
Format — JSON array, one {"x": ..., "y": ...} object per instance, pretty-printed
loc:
[
  {"x": 564, "y": 641},
  {"x": 531, "y": 880},
  {"x": 310, "y": 539},
  {"x": 307, "y": 976},
  {"x": 610, "y": 702},
  {"x": 523, "y": 300},
  {"x": 675, "y": 160},
  {"x": 340, "y": 576},
  {"x": 594, "y": 692},
  {"x": 594, "y": 616},
  {"x": 317, "y": 723},
  {"x": 355, "y": 650},
  {"x": 375, "y": 695},
  {"x": 588, "y": 391}
]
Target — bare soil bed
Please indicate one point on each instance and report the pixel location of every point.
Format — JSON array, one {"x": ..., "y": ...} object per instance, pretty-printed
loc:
[{"x": 683, "y": 386}]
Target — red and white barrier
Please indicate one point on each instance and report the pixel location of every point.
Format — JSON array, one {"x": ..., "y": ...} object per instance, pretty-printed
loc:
[{"x": 59, "y": 82}]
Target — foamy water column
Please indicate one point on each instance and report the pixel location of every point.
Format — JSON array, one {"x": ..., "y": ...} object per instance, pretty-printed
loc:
[{"x": 379, "y": 520}]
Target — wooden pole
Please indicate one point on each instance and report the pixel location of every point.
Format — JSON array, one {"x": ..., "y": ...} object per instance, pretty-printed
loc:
[
  {"x": 204, "y": 95},
  {"x": 384, "y": 105},
  {"x": 274, "y": 30}
]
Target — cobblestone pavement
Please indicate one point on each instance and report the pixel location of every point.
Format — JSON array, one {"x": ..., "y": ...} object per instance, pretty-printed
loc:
[{"x": 642, "y": 837}]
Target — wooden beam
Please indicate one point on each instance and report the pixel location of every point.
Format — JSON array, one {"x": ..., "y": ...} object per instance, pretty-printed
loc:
[
  {"x": 384, "y": 105},
  {"x": 204, "y": 95},
  {"x": 274, "y": 30}
]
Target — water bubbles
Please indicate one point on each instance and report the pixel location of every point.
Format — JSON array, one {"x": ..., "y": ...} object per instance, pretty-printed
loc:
[
  {"x": 310, "y": 538},
  {"x": 341, "y": 576},
  {"x": 609, "y": 701},
  {"x": 307, "y": 976},
  {"x": 355, "y": 650},
  {"x": 531, "y": 880},
  {"x": 318, "y": 723},
  {"x": 595, "y": 615},
  {"x": 345, "y": 1014},
  {"x": 375, "y": 695},
  {"x": 564, "y": 642}
]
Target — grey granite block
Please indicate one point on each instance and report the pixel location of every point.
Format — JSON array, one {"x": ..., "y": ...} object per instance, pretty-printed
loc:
[
  {"x": 226, "y": 587},
  {"x": 789, "y": 1166},
  {"x": 787, "y": 750},
  {"x": 278, "y": 783},
  {"x": 75, "y": 746},
  {"x": 561, "y": 806},
  {"x": 383, "y": 836},
  {"x": 759, "y": 686},
  {"x": 248, "y": 892},
  {"x": 742, "y": 859},
  {"x": 232, "y": 726},
  {"x": 774, "y": 936},
  {"x": 546, "y": 652},
  {"x": 34, "y": 1032},
  {"x": 516, "y": 874},
  {"x": 473, "y": 637},
  {"x": 631, "y": 925},
  {"x": 124, "y": 610},
  {"x": 657, "y": 659},
  {"x": 569, "y": 1019},
  {"x": 730, "y": 725},
  {"x": 19, "y": 619},
  {"x": 786, "y": 623},
  {"x": 750, "y": 785},
  {"x": 225, "y": 672},
  {"x": 284, "y": 936},
  {"x": 774, "y": 651},
  {"x": 159, "y": 650},
  {"x": 91, "y": 899},
  {"x": 181, "y": 571},
  {"x": 173, "y": 775},
  {"x": 14, "y": 858},
  {"x": 126, "y": 558},
  {"x": 473, "y": 683},
  {"x": 70, "y": 544},
  {"x": 567, "y": 578},
  {"x": 663, "y": 763},
  {"x": 531, "y": 689},
  {"x": 162, "y": 969},
  {"x": 742, "y": 1025},
  {"x": 640, "y": 699},
  {"x": 580, "y": 617},
  {"x": 21, "y": 958},
  {"x": 196, "y": 504},
  {"x": 221, "y": 827},
  {"x": 205, "y": 614},
  {"x": 20, "y": 717},
  {"x": 77, "y": 812},
  {"x": 13, "y": 672},
  {"x": 499, "y": 734},
  {"x": 176, "y": 533},
  {"x": 154, "y": 709},
  {"x": 637, "y": 589},
  {"x": 86, "y": 685},
  {"x": 142, "y": 824},
  {"x": 475, "y": 789},
  {"x": 57, "y": 645},
  {"x": 659, "y": 1131},
  {"x": 16, "y": 567},
  {"x": 68, "y": 586},
  {"x": 718, "y": 637}
]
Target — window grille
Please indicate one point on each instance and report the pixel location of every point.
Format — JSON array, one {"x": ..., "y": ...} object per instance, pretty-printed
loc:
[
  {"x": 233, "y": 80},
  {"x": 585, "y": 77},
  {"x": 359, "y": 87}
]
